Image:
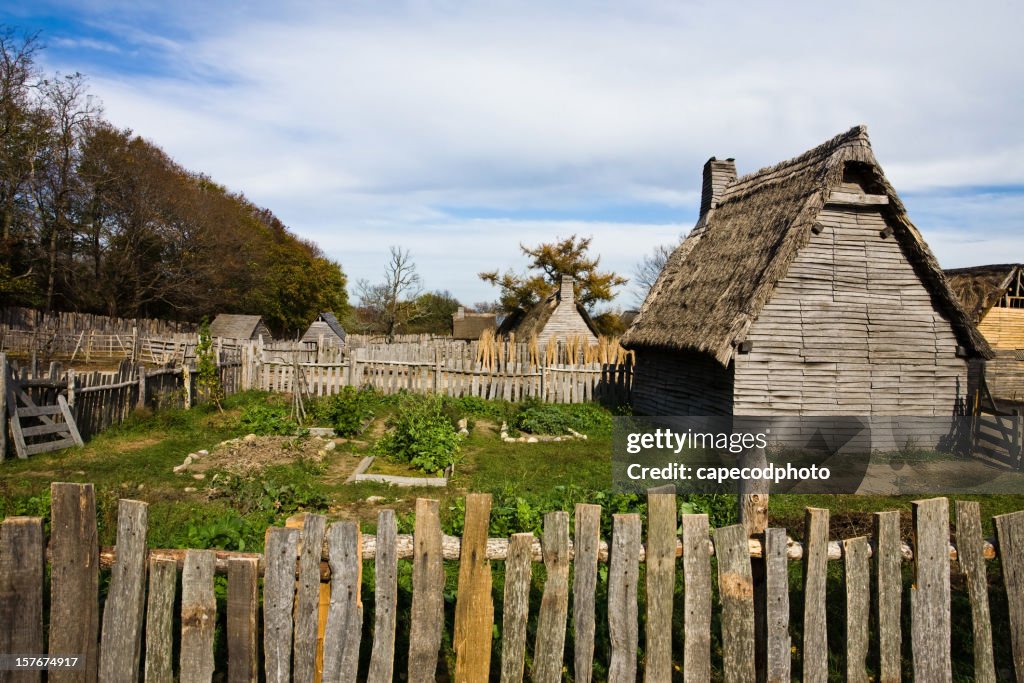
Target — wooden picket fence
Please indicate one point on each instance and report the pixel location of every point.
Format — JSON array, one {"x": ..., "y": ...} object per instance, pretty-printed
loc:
[{"x": 308, "y": 638}]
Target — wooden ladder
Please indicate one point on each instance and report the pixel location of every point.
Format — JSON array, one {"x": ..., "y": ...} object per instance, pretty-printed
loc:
[{"x": 59, "y": 434}]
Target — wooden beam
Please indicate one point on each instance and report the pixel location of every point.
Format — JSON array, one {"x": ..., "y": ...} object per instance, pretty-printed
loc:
[{"x": 857, "y": 198}]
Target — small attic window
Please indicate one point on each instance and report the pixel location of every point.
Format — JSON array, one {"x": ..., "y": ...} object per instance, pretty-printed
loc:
[
  {"x": 860, "y": 177},
  {"x": 1014, "y": 296}
]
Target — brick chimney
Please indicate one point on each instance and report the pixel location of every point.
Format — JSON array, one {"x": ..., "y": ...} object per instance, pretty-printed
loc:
[
  {"x": 565, "y": 291},
  {"x": 717, "y": 174}
]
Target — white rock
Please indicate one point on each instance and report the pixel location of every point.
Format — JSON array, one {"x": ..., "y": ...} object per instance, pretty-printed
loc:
[
  {"x": 203, "y": 452},
  {"x": 330, "y": 446},
  {"x": 375, "y": 499},
  {"x": 199, "y": 477},
  {"x": 141, "y": 486},
  {"x": 250, "y": 437},
  {"x": 532, "y": 439},
  {"x": 188, "y": 460},
  {"x": 190, "y": 489},
  {"x": 180, "y": 468}
]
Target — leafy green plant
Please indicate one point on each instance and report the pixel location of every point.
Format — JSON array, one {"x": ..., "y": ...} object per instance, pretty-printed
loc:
[
  {"x": 228, "y": 533},
  {"x": 268, "y": 419},
  {"x": 270, "y": 494},
  {"x": 347, "y": 411},
  {"x": 208, "y": 385},
  {"x": 537, "y": 417},
  {"x": 421, "y": 435}
]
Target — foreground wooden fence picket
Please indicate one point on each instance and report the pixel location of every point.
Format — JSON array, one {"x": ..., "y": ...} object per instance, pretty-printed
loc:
[{"x": 140, "y": 602}]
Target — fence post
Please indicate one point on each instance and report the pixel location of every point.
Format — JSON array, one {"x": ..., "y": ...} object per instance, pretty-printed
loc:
[
  {"x": 3, "y": 406},
  {"x": 186, "y": 381},
  {"x": 141, "y": 402}
]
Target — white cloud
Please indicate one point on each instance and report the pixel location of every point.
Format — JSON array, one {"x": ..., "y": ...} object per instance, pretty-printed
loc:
[{"x": 356, "y": 122}]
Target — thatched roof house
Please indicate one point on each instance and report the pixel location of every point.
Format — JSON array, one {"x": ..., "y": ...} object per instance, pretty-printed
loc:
[
  {"x": 469, "y": 326},
  {"x": 558, "y": 316},
  {"x": 235, "y": 326},
  {"x": 325, "y": 326},
  {"x": 993, "y": 297},
  {"x": 803, "y": 289}
]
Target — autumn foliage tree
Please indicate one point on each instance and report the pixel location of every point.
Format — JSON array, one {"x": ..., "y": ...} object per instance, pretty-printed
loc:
[{"x": 549, "y": 261}]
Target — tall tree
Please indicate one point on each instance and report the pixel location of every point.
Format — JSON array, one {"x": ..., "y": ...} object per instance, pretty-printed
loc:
[
  {"x": 391, "y": 304},
  {"x": 646, "y": 273},
  {"x": 553, "y": 259}
]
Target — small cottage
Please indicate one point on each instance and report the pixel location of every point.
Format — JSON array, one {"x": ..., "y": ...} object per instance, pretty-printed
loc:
[
  {"x": 469, "y": 326},
  {"x": 993, "y": 297},
  {"x": 235, "y": 326},
  {"x": 558, "y": 316},
  {"x": 803, "y": 289},
  {"x": 326, "y": 327}
]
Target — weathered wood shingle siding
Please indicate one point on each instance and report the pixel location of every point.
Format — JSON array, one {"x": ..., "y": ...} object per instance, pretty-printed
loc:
[
  {"x": 850, "y": 330},
  {"x": 680, "y": 383},
  {"x": 565, "y": 322}
]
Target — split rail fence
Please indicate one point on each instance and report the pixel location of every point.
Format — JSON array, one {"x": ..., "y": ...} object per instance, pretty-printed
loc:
[{"x": 306, "y": 637}]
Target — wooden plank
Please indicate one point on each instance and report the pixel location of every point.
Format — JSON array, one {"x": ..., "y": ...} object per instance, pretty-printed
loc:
[
  {"x": 661, "y": 580},
  {"x": 243, "y": 604},
  {"x": 549, "y": 646},
  {"x": 427, "y": 618},
  {"x": 382, "y": 657},
  {"x": 474, "y": 609},
  {"x": 345, "y": 616},
  {"x": 696, "y": 599},
  {"x": 857, "y": 573},
  {"x": 74, "y": 580},
  {"x": 815, "y": 634},
  {"x": 623, "y": 574},
  {"x": 22, "y": 568},
  {"x": 930, "y": 592},
  {"x": 163, "y": 580},
  {"x": 3, "y": 406},
  {"x": 121, "y": 638},
  {"x": 1010, "y": 533},
  {"x": 586, "y": 542},
  {"x": 278, "y": 602},
  {"x": 307, "y": 613},
  {"x": 779, "y": 643},
  {"x": 69, "y": 419},
  {"x": 736, "y": 592},
  {"x": 515, "y": 607},
  {"x": 970, "y": 556},
  {"x": 198, "y": 616},
  {"x": 888, "y": 594}
]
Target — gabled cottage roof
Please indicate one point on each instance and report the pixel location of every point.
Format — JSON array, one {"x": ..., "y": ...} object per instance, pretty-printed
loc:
[
  {"x": 332, "y": 322},
  {"x": 716, "y": 282},
  {"x": 234, "y": 326},
  {"x": 526, "y": 323},
  {"x": 979, "y": 288}
]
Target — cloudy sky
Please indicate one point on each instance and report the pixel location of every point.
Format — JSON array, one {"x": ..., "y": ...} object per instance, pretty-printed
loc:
[{"x": 460, "y": 130}]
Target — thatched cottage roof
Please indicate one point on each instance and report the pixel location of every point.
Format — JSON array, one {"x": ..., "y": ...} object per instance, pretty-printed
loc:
[
  {"x": 532, "y": 322},
  {"x": 979, "y": 288},
  {"x": 716, "y": 282},
  {"x": 236, "y": 326}
]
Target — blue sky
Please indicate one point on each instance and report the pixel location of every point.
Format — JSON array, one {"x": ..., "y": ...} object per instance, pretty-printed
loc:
[{"x": 459, "y": 130}]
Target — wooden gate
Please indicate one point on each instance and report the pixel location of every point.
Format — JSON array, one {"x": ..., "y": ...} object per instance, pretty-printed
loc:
[{"x": 997, "y": 431}]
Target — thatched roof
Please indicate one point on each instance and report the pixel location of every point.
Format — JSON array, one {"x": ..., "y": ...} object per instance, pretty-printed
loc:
[
  {"x": 532, "y": 322},
  {"x": 471, "y": 325},
  {"x": 235, "y": 326},
  {"x": 716, "y": 282},
  {"x": 979, "y": 288}
]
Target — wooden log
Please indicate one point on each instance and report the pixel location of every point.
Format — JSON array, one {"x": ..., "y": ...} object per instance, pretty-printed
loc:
[
  {"x": 736, "y": 591},
  {"x": 427, "y": 618},
  {"x": 1010, "y": 532},
  {"x": 857, "y": 572},
  {"x": 278, "y": 602},
  {"x": 243, "y": 604},
  {"x": 661, "y": 580},
  {"x": 972, "y": 564},
  {"x": 163, "y": 580},
  {"x": 779, "y": 644},
  {"x": 586, "y": 541},
  {"x": 121, "y": 639},
  {"x": 888, "y": 594},
  {"x": 307, "y": 614},
  {"x": 345, "y": 616},
  {"x": 74, "y": 580},
  {"x": 623, "y": 574},
  {"x": 815, "y": 634},
  {"x": 516, "y": 607},
  {"x": 696, "y": 599},
  {"x": 382, "y": 657},
  {"x": 22, "y": 566},
  {"x": 474, "y": 609},
  {"x": 549, "y": 646},
  {"x": 198, "y": 617},
  {"x": 930, "y": 592}
]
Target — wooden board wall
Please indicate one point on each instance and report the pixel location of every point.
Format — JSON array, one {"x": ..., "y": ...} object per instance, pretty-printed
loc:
[
  {"x": 1003, "y": 328},
  {"x": 680, "y": 383},
  {"x": 850, "y": 330}
]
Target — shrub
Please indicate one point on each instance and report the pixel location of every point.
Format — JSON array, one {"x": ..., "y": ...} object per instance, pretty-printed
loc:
[
  {"x": 208, "y": 384},
  {"x": 421, "y": 435},
  {"x": 348, "y": 411},
  {"x": 537, "y": 417}
]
